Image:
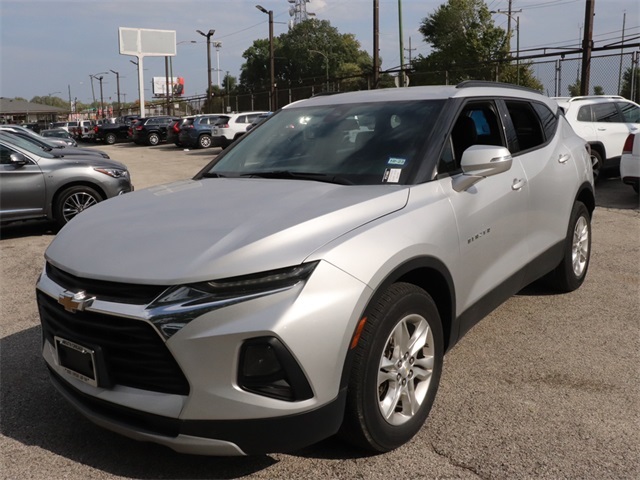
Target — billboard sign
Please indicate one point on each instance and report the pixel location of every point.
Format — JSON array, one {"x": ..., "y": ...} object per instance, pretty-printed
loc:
[
  {"x": 160, "y": 86},
  {"x": 146, "y": 42}
]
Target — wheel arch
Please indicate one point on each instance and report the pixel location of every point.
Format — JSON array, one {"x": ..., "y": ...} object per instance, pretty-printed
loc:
[
  {"x": 432, "y": 276},
  {"x": 586, "y": 195},
  {"x": 599, "y": 147}
]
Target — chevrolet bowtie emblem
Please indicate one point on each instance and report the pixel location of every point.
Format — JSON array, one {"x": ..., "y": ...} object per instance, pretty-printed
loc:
[{"x": 74, "y": 301}]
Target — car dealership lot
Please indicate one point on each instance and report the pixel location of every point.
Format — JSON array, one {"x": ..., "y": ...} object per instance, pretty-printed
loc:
[{"x": 546, "y": 386}]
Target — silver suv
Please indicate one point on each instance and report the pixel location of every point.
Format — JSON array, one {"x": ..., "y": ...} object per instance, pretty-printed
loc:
[
  {"x": 310, "y": 279},
  {"x": 604, "y": 122}
]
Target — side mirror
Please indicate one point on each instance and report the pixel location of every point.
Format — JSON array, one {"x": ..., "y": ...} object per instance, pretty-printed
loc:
[
  {"x": 481, "y": 161},
  {"x": 18, "y": 159}
]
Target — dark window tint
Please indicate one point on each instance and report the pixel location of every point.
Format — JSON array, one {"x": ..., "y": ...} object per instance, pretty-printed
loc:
[
  {"x": 630, "y": 112},
  {"x": 5, "y": 154},
  {"x": 606, "y": 112},
  {"x": 548, "y": 120},
  {"x": 584, "y": 114},
  {"x": 526, "y": 124}
]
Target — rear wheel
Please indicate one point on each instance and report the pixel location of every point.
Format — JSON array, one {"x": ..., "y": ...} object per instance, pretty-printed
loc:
[
  {"x": 572, "y": 270},
  {"x": 396, "y": 370},
  {"x": 74, "y": 200},
  {"x": 153, "y": 139},
  {"x": 204, "y": 141},
  {"x": 110, "y": 139}
]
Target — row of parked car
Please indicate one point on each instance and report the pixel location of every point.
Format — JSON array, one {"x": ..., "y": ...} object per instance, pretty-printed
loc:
[{"x": 199, "y": 131}]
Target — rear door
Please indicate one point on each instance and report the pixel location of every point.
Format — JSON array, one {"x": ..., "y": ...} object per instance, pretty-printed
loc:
[{"x": 612, "y": 128}]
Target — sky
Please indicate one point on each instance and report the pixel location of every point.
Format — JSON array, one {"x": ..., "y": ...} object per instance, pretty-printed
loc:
[{"x": 52, "y": 47}]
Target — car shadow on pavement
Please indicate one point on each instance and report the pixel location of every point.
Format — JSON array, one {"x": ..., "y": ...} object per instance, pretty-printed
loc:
[
  {"x": 28, "y": 229},
  {"x": 35, "y": 414}
]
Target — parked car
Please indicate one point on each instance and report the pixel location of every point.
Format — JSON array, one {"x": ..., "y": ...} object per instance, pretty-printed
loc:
[
  {"x": 84, "y": 130},
  {"x": 605, "y": 122},
  {"x": 112, "y": 132},
  {"x": 60, "y": 150},
  {"x": 196, "y": 132},
  {"x": 38, "y": 184},
  {"x": 229, "y": 128},
  {"x": 68, "y": 126},
  {"x": 258, "y": 120},
  {"x": 60, "y": 134},
  {"x": 308, "y": 281},
  {"x": 57, "y": 142},
  {"x": 173, "y": 130},
  {"x": 630, "y": 162},
  {"x": 151, "y": 130}
]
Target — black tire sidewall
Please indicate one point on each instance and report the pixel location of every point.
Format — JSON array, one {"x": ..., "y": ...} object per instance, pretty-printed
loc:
[
  {"x": 398, "y": 302},
  {"x": 153, "y": 139},
  {"x": 202, "y": 139},
  {"x": 110, "y": 139},
  {"x": 566, "y": 280}
]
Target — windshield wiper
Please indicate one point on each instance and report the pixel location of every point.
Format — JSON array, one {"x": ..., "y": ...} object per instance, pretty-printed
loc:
[
  {"x": 212, "y": 175},
  {"x": 289, "y": 175}
]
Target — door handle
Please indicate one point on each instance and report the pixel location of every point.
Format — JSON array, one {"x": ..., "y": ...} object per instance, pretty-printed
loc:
[
  {"x": 518, "y": 183},
  {"x": 564, "y": 158},
  {"x": 602, "y": 129}
]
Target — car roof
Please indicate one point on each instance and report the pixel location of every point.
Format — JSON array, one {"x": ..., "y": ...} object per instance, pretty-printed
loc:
[{"x": 462, "y": 90}]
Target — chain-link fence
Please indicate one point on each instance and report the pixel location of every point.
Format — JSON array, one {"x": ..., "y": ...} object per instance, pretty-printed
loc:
[{"x": 612, "y": 74}]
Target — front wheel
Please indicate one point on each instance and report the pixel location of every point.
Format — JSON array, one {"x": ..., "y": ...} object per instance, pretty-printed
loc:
[
  {"x": 153, "y": 139},
  {"x": 572, "y": 270},
  {"x": 396, "y": 370},
  {"x": 72, "y": 201},
  {"x": 110, "y": 139}
]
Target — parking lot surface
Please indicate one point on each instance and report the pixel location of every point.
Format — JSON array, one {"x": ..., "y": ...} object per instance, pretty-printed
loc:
[{"x": 547, "y": 386}]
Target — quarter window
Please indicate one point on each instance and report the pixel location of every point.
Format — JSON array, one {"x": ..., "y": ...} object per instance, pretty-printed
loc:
[
  {"x": 606, "y": 112},
  {"x": 630, "y": 112}
]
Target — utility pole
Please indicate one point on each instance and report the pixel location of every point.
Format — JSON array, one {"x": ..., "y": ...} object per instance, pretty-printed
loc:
[
  {"x": 376, "y": 45},
  {"x": 587, "y": 46},
  {"x": 410, "y": 50}
]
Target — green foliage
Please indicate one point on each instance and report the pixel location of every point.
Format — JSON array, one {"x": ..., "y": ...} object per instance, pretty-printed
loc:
[
  {"x": 598, "y": 90},
  {"x": 625, "y": 90},
  {"x": 306, "y": 55},
  {"x": 574, "y": 88},
  {"x": 467, "y": 45}
]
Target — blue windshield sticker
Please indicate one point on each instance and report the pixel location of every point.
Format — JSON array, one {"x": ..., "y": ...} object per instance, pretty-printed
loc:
[{"x": 396, "y": 161}]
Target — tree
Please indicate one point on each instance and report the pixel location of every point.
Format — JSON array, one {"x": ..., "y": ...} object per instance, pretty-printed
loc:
[
  {"x": 625, "y": 90},
  {"x": 598, "y": 90},
  {"x": 306, "y": 55},
  {"x": 467, "y": 45},
  {"x": 574, "y": 88}
]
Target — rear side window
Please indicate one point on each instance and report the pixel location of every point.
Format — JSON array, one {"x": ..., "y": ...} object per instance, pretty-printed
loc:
[
  {"x": 222, "y": 120},
  {"x": 527, "y": 126},
  {"x": 548, "y": 120},
  {"x": 606, "y": 112},
  {"x": 584, "y": 114}
]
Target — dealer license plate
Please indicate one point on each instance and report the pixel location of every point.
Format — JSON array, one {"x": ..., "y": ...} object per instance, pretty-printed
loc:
[{"x": 77, "y": 360}]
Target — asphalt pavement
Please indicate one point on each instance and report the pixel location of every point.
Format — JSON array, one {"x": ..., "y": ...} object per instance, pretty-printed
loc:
[{"x": 547, "y": 386}]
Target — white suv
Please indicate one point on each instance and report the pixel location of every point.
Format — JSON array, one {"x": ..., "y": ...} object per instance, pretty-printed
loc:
[
  {"x": 603, "y": 121},
  {"x": 310, "y": 279},
  {"x": 230, "y": 127}
]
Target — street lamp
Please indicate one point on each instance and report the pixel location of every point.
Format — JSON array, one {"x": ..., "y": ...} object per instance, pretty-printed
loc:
[
  {"x": 209, "y": 34},
  {"x": 326, "y": 64},
  {"x": 272, "y": 87},
  {"x": 49, "y": 96},
  {"x": 118, "y": 89}
]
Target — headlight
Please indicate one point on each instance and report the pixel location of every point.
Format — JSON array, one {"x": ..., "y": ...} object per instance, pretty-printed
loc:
[
  {"x": 179, "y": 305},
  {"x": 112, "y": 172}
]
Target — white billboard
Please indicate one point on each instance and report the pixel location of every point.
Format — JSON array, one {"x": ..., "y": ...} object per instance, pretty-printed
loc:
[{"x": 147, "y": 42}]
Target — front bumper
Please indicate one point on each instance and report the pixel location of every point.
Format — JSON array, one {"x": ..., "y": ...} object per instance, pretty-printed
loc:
[{"x": 214, "y": 415}]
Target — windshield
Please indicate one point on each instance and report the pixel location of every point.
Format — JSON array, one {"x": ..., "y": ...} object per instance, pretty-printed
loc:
[{"x": 361, "y": 144}]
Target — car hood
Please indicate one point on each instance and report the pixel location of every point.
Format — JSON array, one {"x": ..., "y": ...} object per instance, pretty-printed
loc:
[
  {"x": 67, "y": 150},
  {"x": 92, "y": 160},
  {"x": 200, "y": 230}
]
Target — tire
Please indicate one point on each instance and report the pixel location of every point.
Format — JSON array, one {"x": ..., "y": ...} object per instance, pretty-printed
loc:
[
  {"x": 391, "y": 386},
  {"x": 204, "y": 141},
  {"x": 153, "y": 139},
  {"x": 72, "y": 201},
  {"x": 596, "y": 162},
  {"x": 572, "y": 270},
  {"x": 110, "y": 139}
]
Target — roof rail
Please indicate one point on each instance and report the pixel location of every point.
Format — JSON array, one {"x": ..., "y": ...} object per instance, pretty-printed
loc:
[
  {"x": 487, "y": 83},
  {"x": 591, "y": 97}
]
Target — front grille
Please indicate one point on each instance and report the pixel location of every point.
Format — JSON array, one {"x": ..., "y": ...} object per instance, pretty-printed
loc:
[
  {"x": 107, "y": 291},
  {"x": 133, "y": 353}
]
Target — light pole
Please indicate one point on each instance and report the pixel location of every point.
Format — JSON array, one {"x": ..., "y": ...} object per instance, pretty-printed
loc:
[
  {"x": 272, "y": 87},
  {"x": 95, "y": 75},
  {"x": 209, "y": 34},
  {"x": 217, "y": 46},
  {"x": 49, "y": 96},
  {"x": 326, "y": 59},
  {"x": 118, "y": 90}
]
